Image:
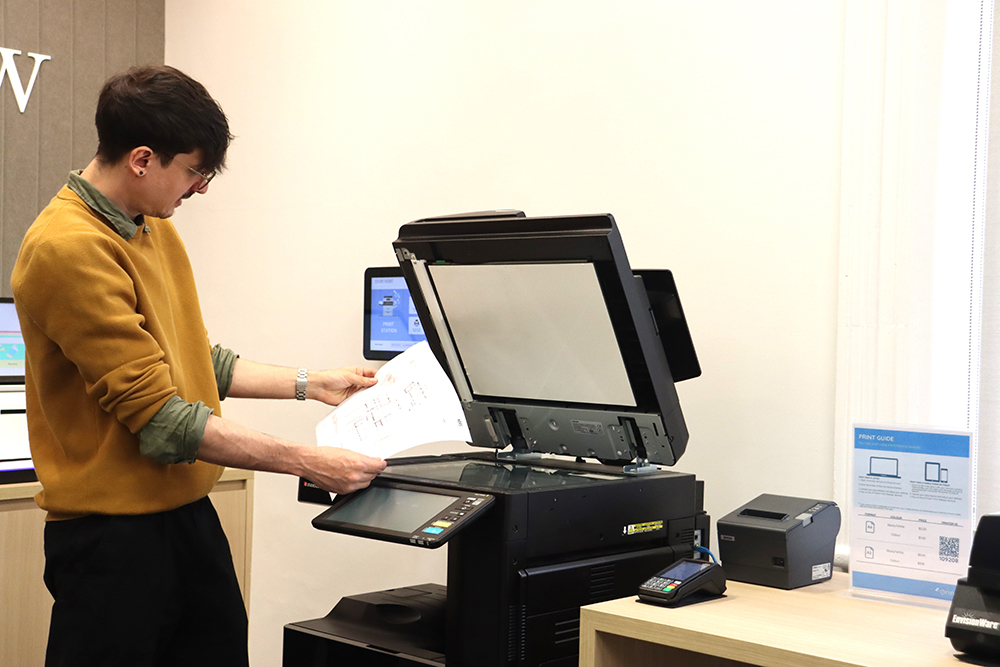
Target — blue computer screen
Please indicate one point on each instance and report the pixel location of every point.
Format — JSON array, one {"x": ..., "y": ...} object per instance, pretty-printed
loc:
[
  {"x": 392, "y": 322},
  {"x": 11, "y": 345}
]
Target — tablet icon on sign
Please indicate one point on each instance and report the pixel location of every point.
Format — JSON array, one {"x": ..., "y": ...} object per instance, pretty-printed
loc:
[{"x": 933, "y": 472}]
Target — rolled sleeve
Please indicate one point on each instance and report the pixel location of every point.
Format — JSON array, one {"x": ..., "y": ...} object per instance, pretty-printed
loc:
[
  {"x": 174, "y": 433},
  {"x": 223, "y": 361}
]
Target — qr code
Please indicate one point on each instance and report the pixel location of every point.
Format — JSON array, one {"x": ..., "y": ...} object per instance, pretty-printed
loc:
[{"x": 948, "y": 549}]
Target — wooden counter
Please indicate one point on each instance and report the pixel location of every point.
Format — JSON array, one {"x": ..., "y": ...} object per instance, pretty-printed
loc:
[
  {"x": 816, "y": 625},
  {"x": 25, "y": 603}
]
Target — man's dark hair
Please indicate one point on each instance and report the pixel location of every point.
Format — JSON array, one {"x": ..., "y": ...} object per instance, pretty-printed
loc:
[{"x": 163, "y": 108}]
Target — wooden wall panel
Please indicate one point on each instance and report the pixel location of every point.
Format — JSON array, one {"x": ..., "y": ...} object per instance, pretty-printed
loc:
[
  {"x": 87, "y": 63},
  {"x": 150, "y": 37},
  {"x": 88, "y": 41},
  {"x": 55, "y": 105},
  {"x": 119, "y": 35},
  {"x": 20, "y": 148}
]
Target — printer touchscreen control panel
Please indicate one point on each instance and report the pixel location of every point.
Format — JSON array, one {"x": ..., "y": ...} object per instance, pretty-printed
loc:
[
  {"x": 451, "y": 519},
  {"x": 404, "y": 513}
]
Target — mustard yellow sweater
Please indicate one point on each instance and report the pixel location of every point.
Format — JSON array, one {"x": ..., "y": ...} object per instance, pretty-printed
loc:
[{"x": 112, "y": 329}]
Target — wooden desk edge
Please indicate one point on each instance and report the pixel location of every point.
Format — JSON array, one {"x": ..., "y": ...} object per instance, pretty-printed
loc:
[
  {"x": 594, "y": 622},
  {"x": 694, "y": 630},
  {"x": 28, "y": 490}
]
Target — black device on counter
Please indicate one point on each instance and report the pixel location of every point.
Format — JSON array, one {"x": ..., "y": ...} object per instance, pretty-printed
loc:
[
  {"x": 564, "y": 360},
  {"x": 396, "y": 512},
  {"x": 779, "y": 541},
  {"x": 686, "y": 580},
  {"x": 973, "y": 624}
]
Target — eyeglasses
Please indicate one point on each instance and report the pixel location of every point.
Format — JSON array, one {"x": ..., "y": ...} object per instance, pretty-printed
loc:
[{"x": 205, "y": 180}]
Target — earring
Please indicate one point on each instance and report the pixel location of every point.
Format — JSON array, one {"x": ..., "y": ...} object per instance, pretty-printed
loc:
[{"x": 141, "y": 172}]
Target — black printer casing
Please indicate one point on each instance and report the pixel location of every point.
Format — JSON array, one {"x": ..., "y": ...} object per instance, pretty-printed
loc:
[
  {"x": 973, "y": 624},
  {"x": 779, "y": 541}
]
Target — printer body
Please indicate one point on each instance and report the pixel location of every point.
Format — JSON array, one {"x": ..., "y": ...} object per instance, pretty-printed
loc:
[
  {"x": 560, "y": 535},
  {"x": 562, "y": 358}
]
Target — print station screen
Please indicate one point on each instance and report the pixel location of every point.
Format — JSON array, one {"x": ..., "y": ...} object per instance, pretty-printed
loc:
[{"x": 395, "y": 325}]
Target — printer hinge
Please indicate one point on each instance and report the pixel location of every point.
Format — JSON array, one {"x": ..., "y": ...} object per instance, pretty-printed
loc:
[{"x": 505, "y": 429}]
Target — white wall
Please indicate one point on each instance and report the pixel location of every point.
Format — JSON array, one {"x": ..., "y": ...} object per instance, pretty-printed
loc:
[{"x": 710, "y": 130}]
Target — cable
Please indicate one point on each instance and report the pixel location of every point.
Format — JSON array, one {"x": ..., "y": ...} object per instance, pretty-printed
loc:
[{"x": 703, "y": 550}]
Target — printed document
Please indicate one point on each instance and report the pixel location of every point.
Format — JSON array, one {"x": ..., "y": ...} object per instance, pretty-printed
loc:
[{"x": 413, "y": 403}]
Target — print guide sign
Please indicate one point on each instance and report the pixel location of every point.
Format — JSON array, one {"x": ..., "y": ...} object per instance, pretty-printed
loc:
[{"x": 912, "y": 510}]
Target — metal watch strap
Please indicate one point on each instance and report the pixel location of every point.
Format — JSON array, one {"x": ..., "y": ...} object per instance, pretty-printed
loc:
[{"x": 301, "y": 380}]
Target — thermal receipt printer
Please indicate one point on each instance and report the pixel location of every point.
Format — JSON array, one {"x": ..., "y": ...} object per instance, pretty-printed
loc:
[{"x": 779, "y": 541}]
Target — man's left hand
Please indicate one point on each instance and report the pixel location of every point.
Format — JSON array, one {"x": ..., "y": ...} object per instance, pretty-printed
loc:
[{"x": 334, "y": 387}]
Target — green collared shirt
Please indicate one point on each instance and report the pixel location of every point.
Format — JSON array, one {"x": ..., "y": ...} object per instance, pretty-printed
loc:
[
  {"x": 174, "y": 433},
  {"x": 95, "y": 199}
]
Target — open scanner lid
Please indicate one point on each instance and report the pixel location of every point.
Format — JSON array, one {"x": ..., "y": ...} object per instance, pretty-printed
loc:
[{"x": 549, "y": 338}]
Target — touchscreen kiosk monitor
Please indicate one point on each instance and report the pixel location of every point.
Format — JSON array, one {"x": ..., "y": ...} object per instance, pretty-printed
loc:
[
  {"x": 17, "y": 469},
  {"x": 11, "y": 344},
  {"x": 391, "y": 321},
  {"x": 15, "y": 457}
]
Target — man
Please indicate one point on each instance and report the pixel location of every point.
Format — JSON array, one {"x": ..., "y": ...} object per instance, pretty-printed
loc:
[{"x": 123, "y": 393}]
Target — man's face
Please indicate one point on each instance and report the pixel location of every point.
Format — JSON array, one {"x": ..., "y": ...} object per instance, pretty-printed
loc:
[{"x": 169, "y": 185}]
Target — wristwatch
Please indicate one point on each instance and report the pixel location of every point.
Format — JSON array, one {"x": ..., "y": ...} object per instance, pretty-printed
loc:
[{"x": 301, "y": 380}]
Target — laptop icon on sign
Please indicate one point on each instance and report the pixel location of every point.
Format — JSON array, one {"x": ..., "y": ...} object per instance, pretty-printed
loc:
[{"x": 879, "y": 466}]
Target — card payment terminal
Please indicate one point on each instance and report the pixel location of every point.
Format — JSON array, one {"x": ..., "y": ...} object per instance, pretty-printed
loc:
[{"x": 682, "y": 579}]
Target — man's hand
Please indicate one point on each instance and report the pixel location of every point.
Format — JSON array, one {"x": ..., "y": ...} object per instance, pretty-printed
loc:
[
  {"x": 340, "y": 470},
  {"x": 332, "y": 469},
  {"x": 333, "y": 387}
]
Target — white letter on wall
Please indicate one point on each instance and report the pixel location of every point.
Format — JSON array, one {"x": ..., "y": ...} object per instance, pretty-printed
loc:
[{"x": 7, "y": 67}]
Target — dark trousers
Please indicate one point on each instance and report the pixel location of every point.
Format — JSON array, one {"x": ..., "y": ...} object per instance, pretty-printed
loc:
[{"x": 149, "y": 590}]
